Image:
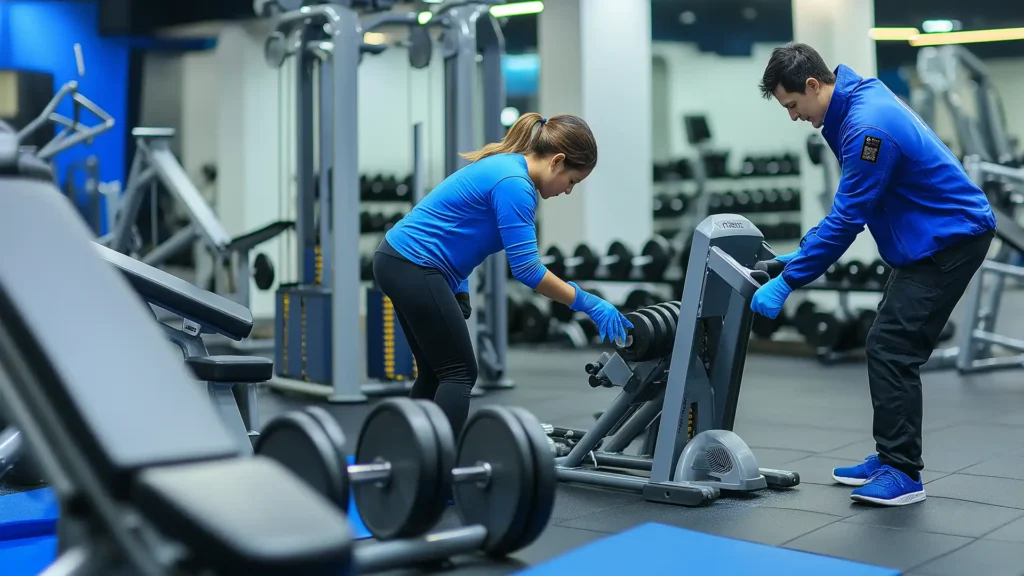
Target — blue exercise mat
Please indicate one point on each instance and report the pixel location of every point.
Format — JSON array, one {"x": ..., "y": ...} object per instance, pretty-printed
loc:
[
  {"x": 359, "y": 530},
  {"x": 28, "y": 514},
  {"x": 27, "y": 556},
  {"x": 660, "y": 549}
]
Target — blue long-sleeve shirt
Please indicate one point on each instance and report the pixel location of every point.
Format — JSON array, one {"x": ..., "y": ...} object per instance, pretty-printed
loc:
[
  {"x": 487, "y": 206},
  {"x": 898, "y": 179}
]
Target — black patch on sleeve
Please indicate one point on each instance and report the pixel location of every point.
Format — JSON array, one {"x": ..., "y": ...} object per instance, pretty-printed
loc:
[{"x": 872, "y": 146}]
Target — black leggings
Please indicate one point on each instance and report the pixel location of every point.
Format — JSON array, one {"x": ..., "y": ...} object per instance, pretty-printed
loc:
[{"x": 436, "y": 331}]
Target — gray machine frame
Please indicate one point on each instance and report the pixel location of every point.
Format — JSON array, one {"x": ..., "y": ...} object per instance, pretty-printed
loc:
[
  {"x": 939, "y": 71},
  {"x": 977, "y": 336},
  {"x": 472, "y": 47},
  {"x": 154, "y": 161},
  {"x": 327, "y": 42},
  {"x": 699, "y": 381}
]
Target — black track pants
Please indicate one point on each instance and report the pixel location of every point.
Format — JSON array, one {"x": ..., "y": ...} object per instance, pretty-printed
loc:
[{"x": 916, "y": 304}]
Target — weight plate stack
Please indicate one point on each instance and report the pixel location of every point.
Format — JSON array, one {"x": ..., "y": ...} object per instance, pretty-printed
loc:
[
  {"x": 298, "y": 441},
  {"x": 545, "y": 482},
  {"x": 398, "y": 432},
  {"x": 446, "y": 461},
  {"x": 504, "y": 504},
  {"x": 640, "y": 338}
]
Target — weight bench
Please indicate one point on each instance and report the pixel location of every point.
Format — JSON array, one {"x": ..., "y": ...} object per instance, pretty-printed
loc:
[
  {"x": 230, "y": 380},
  {"x": 973, "y": 352},
  {"x": 142, "y": 489}
]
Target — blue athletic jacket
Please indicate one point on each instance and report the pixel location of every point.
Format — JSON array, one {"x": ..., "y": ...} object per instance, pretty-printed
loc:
[
  {"x": 898, "y": 178},
  {"x": 481, "y": 209}
]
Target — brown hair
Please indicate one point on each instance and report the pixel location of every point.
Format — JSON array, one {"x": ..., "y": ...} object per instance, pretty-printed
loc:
[{"x": 534, "y": 134}]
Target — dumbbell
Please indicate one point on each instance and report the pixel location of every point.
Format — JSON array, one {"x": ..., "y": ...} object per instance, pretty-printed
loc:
[
  {"x": 653, "y": 332},
  {"x": 533, "y": 323},
  {"x": 619, "y": 261},
  {"x": 879, "y": 271},
  {"x": 835, "y": 272},
  {"x": 501, "y": 475},
  {"x": 764, "y": 327},
  {"x": 742, "y": 203},
  {"x": 637, "y": 299},
  {"x": 771, "y": 200},
  {"x": 757, "y": 200},
  {"x": 857, "y": 272}
]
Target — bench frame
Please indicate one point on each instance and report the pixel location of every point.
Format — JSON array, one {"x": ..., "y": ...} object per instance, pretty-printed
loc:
[{"x": 237, "y": 403}]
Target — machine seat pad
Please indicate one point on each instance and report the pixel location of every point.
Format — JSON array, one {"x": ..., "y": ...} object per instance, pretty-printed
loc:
[
  {"x": 247, "y": 516},
  {"x": 213, "y": 311},
  {"x": 232, "y": 369}
]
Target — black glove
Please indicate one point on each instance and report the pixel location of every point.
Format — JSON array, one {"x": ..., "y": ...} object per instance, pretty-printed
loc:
[{"x": 463, "y": 300}]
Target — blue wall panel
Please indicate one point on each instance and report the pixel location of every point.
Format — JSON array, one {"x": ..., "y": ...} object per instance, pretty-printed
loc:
[{"x": 40, "y": 36}]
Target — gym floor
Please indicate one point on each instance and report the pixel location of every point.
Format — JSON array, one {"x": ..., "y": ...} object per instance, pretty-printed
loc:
[{"x": 800, "y": 415}]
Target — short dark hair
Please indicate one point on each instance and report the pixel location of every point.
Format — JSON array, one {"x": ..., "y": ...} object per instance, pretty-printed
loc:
[{"x": 791, "y": 65}]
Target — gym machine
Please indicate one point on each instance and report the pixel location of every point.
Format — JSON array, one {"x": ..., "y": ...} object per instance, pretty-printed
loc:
[
  {"x": 154, "y": 162},
  {"x": 326, "y": 41},
  {"x": 472, "y": 47},
  {"x": 974, "y": 349},
  {"x": 688, "y": 412},
  {"x": 946, "y": 71}
]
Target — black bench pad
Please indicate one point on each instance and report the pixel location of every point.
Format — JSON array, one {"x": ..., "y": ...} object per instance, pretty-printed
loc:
[
  {"x": 246, "y": 516},
  {"x": 173, "y": 294},
  {"x": 232, "y": 369}
]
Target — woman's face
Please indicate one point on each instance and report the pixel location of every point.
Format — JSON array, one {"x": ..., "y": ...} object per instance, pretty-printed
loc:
[{"x": 558, "y": 179}]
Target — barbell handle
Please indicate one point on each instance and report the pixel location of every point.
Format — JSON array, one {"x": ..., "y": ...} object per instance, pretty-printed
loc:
[
  {"x": 365, "y": 473},
  {"x": 479, "y": 473}
]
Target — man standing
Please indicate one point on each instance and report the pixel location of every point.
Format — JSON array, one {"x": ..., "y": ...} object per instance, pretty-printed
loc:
[{"x": 930, "y": 222}]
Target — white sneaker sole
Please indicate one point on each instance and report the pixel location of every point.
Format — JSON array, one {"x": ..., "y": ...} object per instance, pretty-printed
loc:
[
  {"x": 899, "y": 501},
  {"x": 849, "y": 481}
]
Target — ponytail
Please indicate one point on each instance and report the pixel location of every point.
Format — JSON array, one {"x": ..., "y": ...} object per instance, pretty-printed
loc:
[{"x": 518, "y": 140}]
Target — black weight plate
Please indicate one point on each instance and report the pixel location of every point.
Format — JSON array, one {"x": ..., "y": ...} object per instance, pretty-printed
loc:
[
  {"x": 554, "y": 260},
  {"x": 586, "y": 269},
  {"x": 534, "y": 322},
  {"x": 621, "y": 261},
  {"x": 545, "y": 483},
  {"x": 638, "y": 299},
  {"x": 336, "y": 435},
  {"x": 561, "y": 312},
  {"x": 658, "y": 329},
  {"x": 446, "y": 461},
  {"x": 668, "y": 316},
  {"x": 827, "y": 330},
  {"x": 660, "y": 251},
  {"x": 296, "y": 440},
  {"x": 398, "y": 432},
  {"x": 644, "y": 337},
  {"x": 494, "y": 436}
]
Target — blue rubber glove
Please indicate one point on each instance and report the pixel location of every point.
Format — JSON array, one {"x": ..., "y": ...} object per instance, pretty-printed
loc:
[
  {"x": 770, "y": 297},
  {"x": 785, "y": 258},
  {"x": 610, "y": 322}
]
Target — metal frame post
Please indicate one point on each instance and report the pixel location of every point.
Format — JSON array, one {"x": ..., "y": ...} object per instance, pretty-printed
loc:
[
  {"x": 305, "y": 229},
  {"x": 472, "y": 31},
  {"x": 347, "y": 343}
]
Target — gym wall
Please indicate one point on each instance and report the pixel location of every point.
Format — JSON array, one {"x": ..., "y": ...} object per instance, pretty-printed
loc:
[
  {"x": 40, "y": 36},
  {"x": 724, "y": 88}
]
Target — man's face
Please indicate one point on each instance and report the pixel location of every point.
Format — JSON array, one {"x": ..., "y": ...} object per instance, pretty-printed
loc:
[{"x": 809, "y": 106}]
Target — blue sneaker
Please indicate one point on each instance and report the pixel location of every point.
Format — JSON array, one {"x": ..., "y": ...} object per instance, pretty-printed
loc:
[
  {"x": 857, "y": 475},
  {"x": 890, "y": 487}
]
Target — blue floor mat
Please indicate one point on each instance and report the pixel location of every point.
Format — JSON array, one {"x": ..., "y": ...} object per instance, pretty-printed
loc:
[
  {"x": 660, "y": 549},
  {"x": 28, "y": 514},
  {"x": 27, "y": 556}
]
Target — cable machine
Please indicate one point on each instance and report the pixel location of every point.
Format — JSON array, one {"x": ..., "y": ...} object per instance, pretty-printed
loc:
[
  {"x": 472, "y": 47},
  {"x": 326, "y": 41}
]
